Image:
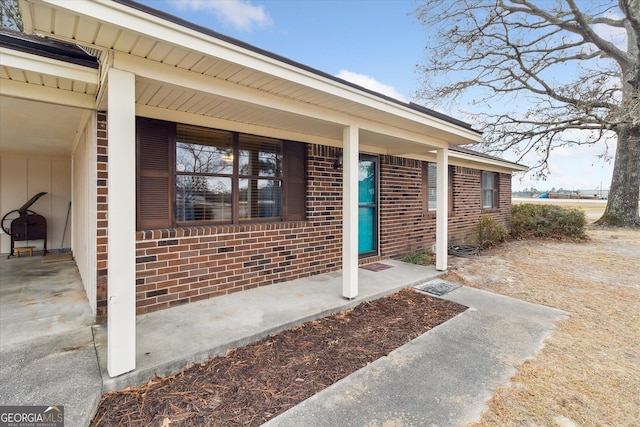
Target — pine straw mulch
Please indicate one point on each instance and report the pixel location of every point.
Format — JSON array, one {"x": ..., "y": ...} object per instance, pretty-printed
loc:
[{"x": 249, "y": 386}]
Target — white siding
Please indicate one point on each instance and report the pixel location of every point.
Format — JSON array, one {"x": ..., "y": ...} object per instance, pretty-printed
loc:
[
  {"x": 13, "y": 191},
  {"x": 24, "y": 176},
  {"x": 84, "y": 208},
  {"x": 61, "y": 197}
]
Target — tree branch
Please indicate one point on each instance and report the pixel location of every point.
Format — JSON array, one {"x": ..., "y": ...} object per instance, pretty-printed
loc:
[{"x": 580, "y": 26}]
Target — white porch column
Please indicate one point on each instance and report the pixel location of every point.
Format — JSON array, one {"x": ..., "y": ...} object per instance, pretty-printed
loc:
[
  {"x": 350, "y": 212},
  {"x": 442, "y": 207},
  {"x": 121, "y": 265}
]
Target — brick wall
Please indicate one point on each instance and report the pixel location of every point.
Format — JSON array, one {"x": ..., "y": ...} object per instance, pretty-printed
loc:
[
  {"x": 102, "y": 157},
  {"x": 183, "y": 265},
  {"x": 404, "y": 227},
  {"x": 504, "y": 187},
  {"x": 467, "y": 195}
]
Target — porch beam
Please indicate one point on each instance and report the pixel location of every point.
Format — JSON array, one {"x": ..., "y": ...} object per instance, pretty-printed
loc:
[
  {"x": 121, "y": 264},
  {"x": 350, "y": 212},
  {"x": 185, "y": 79},
  {"x": 50, "y": 95},
  {"x": 215, "y": 122},
  {"x": 442, "y": 207},
  {"x": 413, "y": 149}
]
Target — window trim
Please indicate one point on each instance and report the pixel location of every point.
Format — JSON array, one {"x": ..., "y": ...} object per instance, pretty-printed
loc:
[
  {"x": 425, "y": 189},
  {"x": 494, "y": 190}
]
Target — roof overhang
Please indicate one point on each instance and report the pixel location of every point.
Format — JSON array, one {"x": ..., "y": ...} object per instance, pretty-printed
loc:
[
  {"x": 190, "y": 74},
  {"x": 29, "y": 76},
  {"x": 46, "y": 93},
  {"x": 479, "y": 161}
]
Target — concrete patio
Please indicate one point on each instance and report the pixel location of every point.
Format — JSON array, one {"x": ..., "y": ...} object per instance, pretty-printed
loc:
[
  {"x": 52, "y": 355},
  {"x": 168, "y": 340},
  {"x": 46, "y": 345}
]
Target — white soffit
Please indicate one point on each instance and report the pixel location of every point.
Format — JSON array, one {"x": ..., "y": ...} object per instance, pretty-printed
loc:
[
  {"x": 162, "y": 41},
  {"x": 165, "y": 101},
  {"x": 29, "y": 76}
]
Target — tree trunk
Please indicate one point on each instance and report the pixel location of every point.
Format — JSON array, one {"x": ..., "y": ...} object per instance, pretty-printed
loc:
[{"x": 622, "y": 204}]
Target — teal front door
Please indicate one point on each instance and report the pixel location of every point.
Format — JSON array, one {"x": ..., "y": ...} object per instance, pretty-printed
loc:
[{"x": 367, "y": 205}]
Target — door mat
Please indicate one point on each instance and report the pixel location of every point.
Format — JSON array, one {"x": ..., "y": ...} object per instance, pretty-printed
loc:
[
  {"x": 437, "y": 287},
  {"x": 376, "y": 266},
  {"x": 67, "y": 256}
]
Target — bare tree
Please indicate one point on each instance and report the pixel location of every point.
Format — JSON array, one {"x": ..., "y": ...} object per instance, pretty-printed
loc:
[
  {"x": 10, "y": 15},
  {"x": 544, "y": 74}
]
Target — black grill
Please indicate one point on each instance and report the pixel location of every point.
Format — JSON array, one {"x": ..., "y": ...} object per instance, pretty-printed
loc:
[{"x": 27, "y": 226}]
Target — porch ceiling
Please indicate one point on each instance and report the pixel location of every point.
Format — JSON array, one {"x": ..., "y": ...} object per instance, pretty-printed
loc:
[
  {"x": 244, "y": 87},
  {"x": 32, "y": 126},
  {"x": 165, "y": 100},
  {"x": 43, "y": 96}
]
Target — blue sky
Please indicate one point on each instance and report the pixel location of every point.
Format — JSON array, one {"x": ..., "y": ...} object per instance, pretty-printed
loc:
[{"x": 375, "y": 43}]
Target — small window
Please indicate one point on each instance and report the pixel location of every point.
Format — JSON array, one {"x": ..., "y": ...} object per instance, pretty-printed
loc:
[
  {"x": 489, "y": 190},
  {"x": 429, "y": 185},
  {"x": 432, "y": 180}
]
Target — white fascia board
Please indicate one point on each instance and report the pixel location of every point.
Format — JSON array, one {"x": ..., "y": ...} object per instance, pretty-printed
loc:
[
  {"x": 52, "y": 67},
  {"x": 45, "y": 94},
  {"x": 470, "y": 161},
  {"x": 488, "y": 164},
  {"x": 145, "y": 68},
  {"x": 127, "y": 18}
]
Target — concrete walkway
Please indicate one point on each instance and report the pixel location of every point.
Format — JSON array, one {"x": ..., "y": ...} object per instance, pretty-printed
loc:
[{"x": 442, "y": 378}]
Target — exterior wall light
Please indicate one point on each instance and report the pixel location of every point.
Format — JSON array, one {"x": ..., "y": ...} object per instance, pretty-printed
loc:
[{"x": 337, "y": 164}]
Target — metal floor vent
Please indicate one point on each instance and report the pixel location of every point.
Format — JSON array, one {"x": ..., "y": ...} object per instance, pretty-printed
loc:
[{"x": 437, "y": 287}]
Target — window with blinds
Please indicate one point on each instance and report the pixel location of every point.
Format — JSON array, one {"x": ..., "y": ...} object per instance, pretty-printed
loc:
[
  {"x": 259, "y": 178},
  {"x": 215, "y": 176},
  {"x": 203, "y": 174},
  {"x": 432, "y": 180},
  {"x": 489, "y": 190},
  {"x": 430, "y": 184}
]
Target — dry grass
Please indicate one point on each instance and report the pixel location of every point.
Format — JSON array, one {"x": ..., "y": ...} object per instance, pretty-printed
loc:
[{"x": 588, "y": 374}]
